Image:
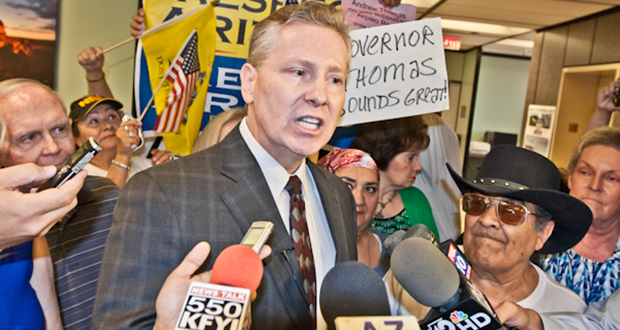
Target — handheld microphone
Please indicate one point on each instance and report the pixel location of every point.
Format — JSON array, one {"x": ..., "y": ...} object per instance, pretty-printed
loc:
[
  {"x": 392, "y": 241},
  {"x": 352, "y": 289},
  {"x": 238, "y": 266},
  {"x": 419, "y": 230},
  {"x": 448, "y": 247},
  {"x": 223, "y": 303},
  {"x": 432, "y": 280}
]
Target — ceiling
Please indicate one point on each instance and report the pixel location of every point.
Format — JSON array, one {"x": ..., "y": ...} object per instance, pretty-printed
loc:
[{"x": 504, "y": 26}]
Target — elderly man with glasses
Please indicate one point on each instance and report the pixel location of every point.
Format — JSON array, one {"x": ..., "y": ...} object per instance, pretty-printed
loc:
[{"x": 513, "y": 211}]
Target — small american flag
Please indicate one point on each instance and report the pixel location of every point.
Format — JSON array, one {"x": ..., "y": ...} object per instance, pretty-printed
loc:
[{"x": 183, "y": 75}]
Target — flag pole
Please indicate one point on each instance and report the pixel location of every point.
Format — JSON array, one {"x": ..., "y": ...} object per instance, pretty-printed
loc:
[{"x": 161, "y": 26}]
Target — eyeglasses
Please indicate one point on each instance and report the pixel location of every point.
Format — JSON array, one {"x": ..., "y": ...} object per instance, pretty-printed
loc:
[{"x": 508, "y": 211}]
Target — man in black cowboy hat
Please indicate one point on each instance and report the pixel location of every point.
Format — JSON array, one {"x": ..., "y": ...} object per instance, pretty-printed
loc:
[{"x": 514, "y": 209}]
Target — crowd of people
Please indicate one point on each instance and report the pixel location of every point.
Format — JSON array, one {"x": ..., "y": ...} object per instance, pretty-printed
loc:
[{"x": 117, "y": 246}]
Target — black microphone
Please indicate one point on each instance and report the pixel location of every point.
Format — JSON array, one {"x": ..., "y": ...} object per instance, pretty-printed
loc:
[
  {"x": 392, "y": 241},
  {"x": 431, "y": 279},
  {"x": 352, "y": 289},
  {"x": 448, "y": 247},
  {"x": 419, "y": 230}
]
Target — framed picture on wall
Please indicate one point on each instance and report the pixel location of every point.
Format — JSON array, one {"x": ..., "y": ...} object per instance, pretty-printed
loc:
[{"x": 28, "y": 39}]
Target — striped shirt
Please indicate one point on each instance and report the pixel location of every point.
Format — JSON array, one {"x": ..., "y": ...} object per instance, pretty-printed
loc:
[{"x": 76, "y": 245}]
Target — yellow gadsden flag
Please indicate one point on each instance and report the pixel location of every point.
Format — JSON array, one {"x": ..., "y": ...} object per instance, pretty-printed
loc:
[{"x": 161, "y": 49}]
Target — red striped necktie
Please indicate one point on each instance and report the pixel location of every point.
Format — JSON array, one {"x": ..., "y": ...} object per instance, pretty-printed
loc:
[{"x": 303, "y": 248}]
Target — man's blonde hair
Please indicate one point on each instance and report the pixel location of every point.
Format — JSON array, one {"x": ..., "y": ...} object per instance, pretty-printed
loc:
[{"x": 310, "y": 12}]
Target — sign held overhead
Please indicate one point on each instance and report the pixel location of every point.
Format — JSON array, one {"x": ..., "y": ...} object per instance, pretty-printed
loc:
[{"x": 396, "y": 71}]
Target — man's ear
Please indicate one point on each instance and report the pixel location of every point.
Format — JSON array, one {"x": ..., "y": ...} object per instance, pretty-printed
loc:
[
  {"x": 544, "y": 234},
  {"x": 248, "y": 81}
]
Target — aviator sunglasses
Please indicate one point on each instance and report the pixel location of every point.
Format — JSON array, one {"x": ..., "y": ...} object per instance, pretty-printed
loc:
[{"x": 509, "y": 211}]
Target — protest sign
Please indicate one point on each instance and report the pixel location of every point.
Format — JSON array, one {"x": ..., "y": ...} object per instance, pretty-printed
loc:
[
  {"x": 369, "y": 13},
  {"x": 396, "y": 71}
]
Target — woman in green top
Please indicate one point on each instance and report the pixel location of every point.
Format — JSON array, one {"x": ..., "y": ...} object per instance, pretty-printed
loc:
[{"x": 395, "y": 146}]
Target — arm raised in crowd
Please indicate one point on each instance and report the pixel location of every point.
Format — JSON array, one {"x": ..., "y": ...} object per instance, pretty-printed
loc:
[
  {"x": 91, "y": 59},
  {"x": 25, "y": 215},
  {"x": 604, "y": 107},
  {"x": 137, "y": 25}
]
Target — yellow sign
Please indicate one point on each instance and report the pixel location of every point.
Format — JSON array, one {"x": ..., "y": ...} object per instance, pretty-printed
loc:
[{"x": 160, "y": 49}]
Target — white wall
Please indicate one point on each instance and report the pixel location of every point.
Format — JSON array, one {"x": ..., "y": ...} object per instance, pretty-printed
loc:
[
  {"x": 500, "y": 96},
  {"x": 84, "y": 23}
]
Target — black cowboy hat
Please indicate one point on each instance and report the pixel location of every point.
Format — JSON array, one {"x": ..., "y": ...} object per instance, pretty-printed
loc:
[{"x": 522, "y": 174}]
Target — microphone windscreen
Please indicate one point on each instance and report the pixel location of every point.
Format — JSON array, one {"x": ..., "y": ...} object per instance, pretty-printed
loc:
[
  {"x": 393, "y": 240},
  {"x": 424, "y": 272},
  {"x": 421, "y": 231},
  {"x": 238, "y": 266},
  {"x": 353, "y": 289}
]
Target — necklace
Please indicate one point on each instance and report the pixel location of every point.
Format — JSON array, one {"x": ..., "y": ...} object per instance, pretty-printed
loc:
[{"x": 379, "y": 215}]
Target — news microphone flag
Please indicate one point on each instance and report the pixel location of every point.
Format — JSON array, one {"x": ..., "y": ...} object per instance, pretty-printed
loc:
[
  {"x": 212, "y": 306},
  {"x": 183, "y": 75},
  {"x": 161, "y": 50}
]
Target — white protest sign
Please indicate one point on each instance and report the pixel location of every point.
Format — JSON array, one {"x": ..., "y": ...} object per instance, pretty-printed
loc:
[
  {"x": 369, "y": 13},
  {"x": 397, "y": 71}
]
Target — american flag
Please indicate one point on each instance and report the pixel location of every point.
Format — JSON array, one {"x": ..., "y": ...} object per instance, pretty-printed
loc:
[{"x": 183, "y": 74}]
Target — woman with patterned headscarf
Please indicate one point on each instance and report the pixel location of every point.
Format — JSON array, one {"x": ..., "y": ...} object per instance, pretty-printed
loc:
[{"x": 359, "y": 171}]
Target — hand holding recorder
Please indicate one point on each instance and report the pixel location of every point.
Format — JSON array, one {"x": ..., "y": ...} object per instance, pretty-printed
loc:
[{"x": 25, "y": 215}]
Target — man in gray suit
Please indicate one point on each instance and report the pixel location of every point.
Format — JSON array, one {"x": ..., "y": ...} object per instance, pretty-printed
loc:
[{"x": 293, "y": 84}]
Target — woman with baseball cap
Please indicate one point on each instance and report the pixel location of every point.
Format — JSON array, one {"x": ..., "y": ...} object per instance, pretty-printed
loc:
[{"x": 100, "y": 118}]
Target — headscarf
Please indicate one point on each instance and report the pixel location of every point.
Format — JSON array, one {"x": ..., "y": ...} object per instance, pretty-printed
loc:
[{"x": 339, "y": 159}]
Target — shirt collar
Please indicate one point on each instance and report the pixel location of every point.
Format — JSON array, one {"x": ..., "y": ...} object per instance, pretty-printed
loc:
[{"x": 275, "y": 175}]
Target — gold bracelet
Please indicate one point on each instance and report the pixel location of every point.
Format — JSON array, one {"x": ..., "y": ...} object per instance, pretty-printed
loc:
[
  {"x": 127, "y": 167},
  {"x": 96, "y": 80}
]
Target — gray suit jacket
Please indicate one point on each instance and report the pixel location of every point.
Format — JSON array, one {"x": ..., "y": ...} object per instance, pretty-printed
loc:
[{"x": 212, "y": 196}]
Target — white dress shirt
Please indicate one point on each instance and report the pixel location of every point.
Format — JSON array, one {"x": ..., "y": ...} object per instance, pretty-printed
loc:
[{"x": 323, "y": 248}]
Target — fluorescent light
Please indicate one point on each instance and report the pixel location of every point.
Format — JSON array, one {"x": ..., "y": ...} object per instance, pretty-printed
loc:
[{"x": 504, "y": 30}]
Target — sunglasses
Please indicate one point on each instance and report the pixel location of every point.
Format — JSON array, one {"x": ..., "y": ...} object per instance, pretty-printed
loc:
[{"x": 508, "y": 211}]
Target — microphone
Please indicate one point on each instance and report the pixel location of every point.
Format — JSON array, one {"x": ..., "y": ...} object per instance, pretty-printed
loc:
[
  {"x": 393, "y": 240},
  {"x": 422, "y": 231},
  {"x": 448, "y": 247},
  {"x": 225, "y": 302},
  {"x": 238, "y": 266},
  {"x": 432, "y": 280},
  {"x": 352, "y": 289},
  {"x": 418, "y": 230},
  {"x": 457, "y": 258}
]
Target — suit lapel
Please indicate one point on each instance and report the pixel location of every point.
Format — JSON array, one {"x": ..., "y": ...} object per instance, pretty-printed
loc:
[{"x": 250, "y": 200}]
